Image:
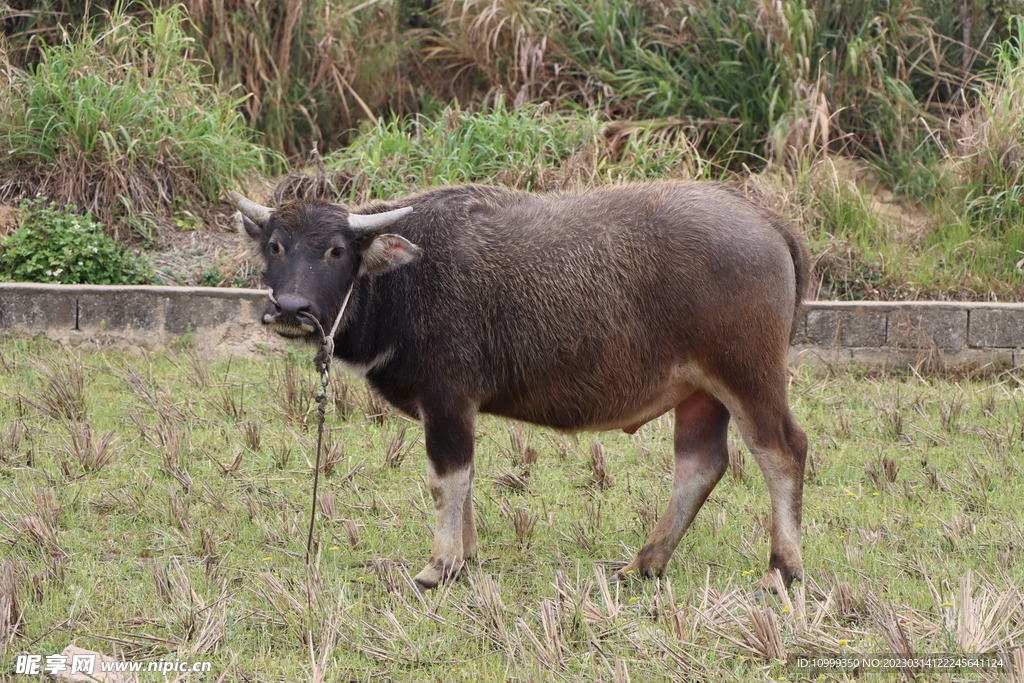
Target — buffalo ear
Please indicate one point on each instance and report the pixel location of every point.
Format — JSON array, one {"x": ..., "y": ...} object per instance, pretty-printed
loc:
[
  {"x": 387, "y": 252},
  {"x": 247, "y": 227}
]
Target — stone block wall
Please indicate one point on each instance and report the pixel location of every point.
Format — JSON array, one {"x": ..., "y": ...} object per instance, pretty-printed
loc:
[{"x": 930, "y": 333}]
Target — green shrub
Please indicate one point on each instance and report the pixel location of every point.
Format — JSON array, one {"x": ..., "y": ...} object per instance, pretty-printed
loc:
[
  {"x": 123, "y": 123},
  {"x": 58, "y": 246}
]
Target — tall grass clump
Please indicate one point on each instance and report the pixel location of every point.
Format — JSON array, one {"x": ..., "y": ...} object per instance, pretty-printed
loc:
[
  {"x": 987, "y": 166},
  {"x": 529, "y": 148},
  {"x": 315, "y": 69},
  {"x": 123, "y": 123}
]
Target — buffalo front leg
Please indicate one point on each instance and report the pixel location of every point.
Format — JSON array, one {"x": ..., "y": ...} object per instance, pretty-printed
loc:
[
  {"x": 449, "y": 438},
  {"x": 701, "y": 458}
]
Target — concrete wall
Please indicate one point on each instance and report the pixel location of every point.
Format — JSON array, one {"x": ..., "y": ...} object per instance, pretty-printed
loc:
[
  {"x": 145, "y": 317},
  {"x": 933, "y": 335}
]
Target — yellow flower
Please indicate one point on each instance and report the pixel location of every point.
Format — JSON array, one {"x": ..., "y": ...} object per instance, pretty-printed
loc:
[
  {"x": 266, "y": 559},
  {"x": 843, "y": 642}
]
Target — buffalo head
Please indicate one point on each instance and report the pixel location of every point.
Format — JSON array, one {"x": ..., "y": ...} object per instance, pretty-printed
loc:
[{"x": 313, "y": 251}]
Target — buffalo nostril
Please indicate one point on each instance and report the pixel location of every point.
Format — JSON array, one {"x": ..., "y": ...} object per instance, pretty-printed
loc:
[{"x": 293, "y": 305}]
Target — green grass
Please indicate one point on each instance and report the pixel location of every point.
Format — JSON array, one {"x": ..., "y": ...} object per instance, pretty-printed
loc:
[
  {"x": 530, "y": 148},
  {"x": 185, "y": 538}
]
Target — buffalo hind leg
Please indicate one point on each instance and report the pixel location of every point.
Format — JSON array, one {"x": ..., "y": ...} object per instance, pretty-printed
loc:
[
  {"x": 449, "y": 439},
  {"x": 701, "y": 458},
  {"x": 780, "y": 448}
]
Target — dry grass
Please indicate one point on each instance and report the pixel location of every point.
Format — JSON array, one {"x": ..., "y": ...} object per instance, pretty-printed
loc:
[
  {"x": 396, "y": 448},
  {"x": 599, "y": 466},
  {"x": 506, "y": 43},
  {"x": 83, "y": 452},
  {"x": 63, "y": 397},
  {"x": 11, "y": 608},
  {"x": 310, "y": 182}
]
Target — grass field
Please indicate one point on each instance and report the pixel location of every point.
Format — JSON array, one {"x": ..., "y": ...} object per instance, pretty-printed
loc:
[{"x": 155, "y": 507}]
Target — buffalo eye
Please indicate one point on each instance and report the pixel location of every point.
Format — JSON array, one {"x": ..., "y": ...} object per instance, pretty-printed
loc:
[
  {"x": 275, "y": 248},
  {"x": 337, "y": 252}
]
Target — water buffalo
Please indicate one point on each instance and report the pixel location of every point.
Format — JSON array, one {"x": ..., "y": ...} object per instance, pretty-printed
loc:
[{"x": 585, "y": 310}]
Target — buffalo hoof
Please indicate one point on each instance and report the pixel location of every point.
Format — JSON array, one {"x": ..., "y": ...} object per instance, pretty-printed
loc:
[
  {"x": 628, "y": 574},
  {"x": 778, "y": 580},
  {"x": 436, "y": 573},
  {"x": 619, "y": 577},
  {"x": 649, "y": 563}
]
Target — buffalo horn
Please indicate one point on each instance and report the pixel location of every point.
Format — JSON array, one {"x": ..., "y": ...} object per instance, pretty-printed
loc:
[
  {"x": 257, "y": 213},
  {"x": 375, "y": 221}
]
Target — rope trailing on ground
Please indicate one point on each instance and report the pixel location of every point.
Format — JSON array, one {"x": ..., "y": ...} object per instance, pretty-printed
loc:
[{"x": 323, "y": 367}]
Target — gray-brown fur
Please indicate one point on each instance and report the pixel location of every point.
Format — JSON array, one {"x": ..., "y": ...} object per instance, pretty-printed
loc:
[{"x": 592, "y": 310}]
